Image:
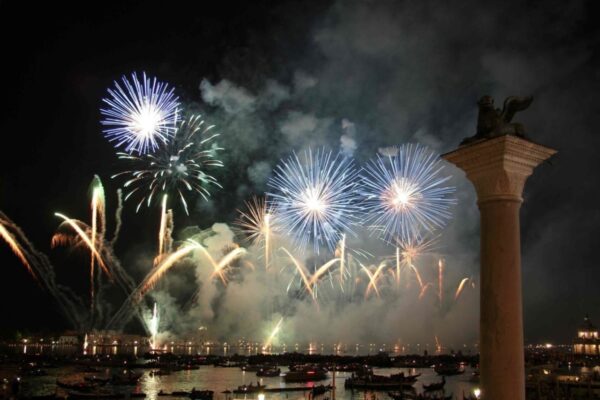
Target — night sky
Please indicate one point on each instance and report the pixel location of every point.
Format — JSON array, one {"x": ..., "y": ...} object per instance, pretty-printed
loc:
[{"x": 284, "y": 76}]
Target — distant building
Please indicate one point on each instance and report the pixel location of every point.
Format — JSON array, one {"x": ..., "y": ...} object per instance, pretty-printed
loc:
[
  {"x": 69, "y": 338},
  {"x": 587, "y": 342}
]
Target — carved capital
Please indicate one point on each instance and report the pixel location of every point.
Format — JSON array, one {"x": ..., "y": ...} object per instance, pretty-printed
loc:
[{"x": 499, "y": 167}]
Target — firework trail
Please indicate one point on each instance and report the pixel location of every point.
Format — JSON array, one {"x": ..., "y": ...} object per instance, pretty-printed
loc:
[
  {"x": 179, "y": 166},
  {"x": 218, "y": 267},
  {"x": 133, "y": 302},
  {"x": 106, "y": 260},
  {"x": 76, "y": 226},
  {"x": 154, "y": 326},
  {"x": 301, "y": 271},
  {"x": 406, "y": 194},
  {"x": 417, "y": 275},
  {"x": 257, "y": 225},
  {"x": 118, "y": 217},
  {"x": 424, "y": 290},
  {"x": 165, "y": 242},
  {"x": 98, "y": 218},
  {"x": 14, "y": 246},
  {"x": 315, "y": 199},
  {"x": 342, "y": 255},
  {"x": 70, "y": 305},
  {"x": 274, "y": 333},
  {"x": 408, "y": 251},
  {"x": 372, "y": 279},
  {"x": 461, "y": 287},
  {"x": 397, "y": 267},
  {"x": 124, "y": 314},
  {"x": 140, "y": 115},
  {"x": 157, "y": 273},
  {"x": 322, "y": 270},
  {"x": 440, "y": 280},
  {"x": 231, "y": 256}
]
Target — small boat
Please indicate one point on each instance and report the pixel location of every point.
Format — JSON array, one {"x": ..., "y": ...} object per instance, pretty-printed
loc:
[
  {"x": 89, "y": 368},
  {"x": 305, "y": 375},
  {"x": 96, "y": 379},
  {"x": 228, "y": 364},
  {"x": 268, "y": 372},
  {"x": 189, "y": 367},
  {"x": 404, "y": 378},
  {"x": 253, "y": 368},
  {"x": 368, "y": 380},
  {"x": 449, "y": 369},
  {"x": 251, "y": 388},
  {"x": 201, "y": 394},
  {"x": 160, "y": 372},
  {"x": 35, "y": 372},
  {"x": 77, "y": 386},
  {"x": 128, "y": 377},
  {"x": 321, "y": 389},
  {"x": 73, "y": 394},
  {"x": 401, "y": 395},
  {"x": 435, "y": 386},
  {"x": 357, "y": 383}
]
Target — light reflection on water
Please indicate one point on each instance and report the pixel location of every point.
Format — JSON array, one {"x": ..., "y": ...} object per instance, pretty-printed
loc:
[{"x": 220, "y": 379}]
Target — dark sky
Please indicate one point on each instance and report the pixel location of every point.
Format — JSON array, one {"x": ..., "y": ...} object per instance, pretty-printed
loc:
[{"x": 399, "y": 71}]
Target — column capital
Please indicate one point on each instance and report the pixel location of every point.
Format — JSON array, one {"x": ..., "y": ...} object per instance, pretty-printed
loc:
[{"x": 498, "y": 167}]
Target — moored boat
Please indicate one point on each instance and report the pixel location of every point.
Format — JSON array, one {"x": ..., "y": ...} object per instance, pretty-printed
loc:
[
  {"x": 449, "y": 369},
  {"x": 309, "y": 374},
  {"x": 268, "y": 372},
  {"x": 435, "y": 386},
  {"x": 251, "y": 388}
]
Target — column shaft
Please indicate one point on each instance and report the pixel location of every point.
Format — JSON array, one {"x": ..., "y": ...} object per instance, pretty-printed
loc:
[{"x": 501, "y": 319}]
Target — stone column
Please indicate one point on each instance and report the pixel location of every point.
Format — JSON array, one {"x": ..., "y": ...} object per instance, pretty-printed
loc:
[{"x": 498, "y": 168}]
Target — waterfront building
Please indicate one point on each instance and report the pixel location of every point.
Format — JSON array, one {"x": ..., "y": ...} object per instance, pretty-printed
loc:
[{"x": 587, "y": 342}]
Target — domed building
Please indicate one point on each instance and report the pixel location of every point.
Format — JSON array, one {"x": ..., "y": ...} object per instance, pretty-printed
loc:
[{"x": 587, "y": 342}]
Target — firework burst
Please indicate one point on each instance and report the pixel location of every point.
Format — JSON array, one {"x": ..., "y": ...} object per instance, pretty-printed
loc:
[
  {"x": 315, "y": 199},
  {"x": 256, "y": 223},
  {"x": 405, "y": 194},
  {"x": 178, "y": 166},
  {"x": 140, "y": 115}
]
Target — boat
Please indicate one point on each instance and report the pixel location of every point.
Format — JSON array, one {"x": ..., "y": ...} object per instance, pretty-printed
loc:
[
  {"x": 361, "y": 383},
  {"x": 128, "y": 377},
  {"x": 74, "y": 394},
  {"x": 368, "y": 380},
  {"x": 251, "y": 388},
  {"x": 268, "y": 372},
  {"x": 449, "y": 369},
  {"x": 321, "y": 389},
  {"x": 309, "y": 374},
  {"x": 401, "y": 395},
  {"x": 405, "y": 378},
  {"x": 137, "y": 395},
  {"x": 89, "y": 368},
  {"x": 160, "y": 372},
  {"x": 35, "y": 372},
  {"x": 228, "y": 364},
  {"x": 253, "y": 368},
  {"x": 77, "y": 386},
  {"x": 435, "y": 386},
  {"x": 189, "y": 367},
  {"x": 201, "y": 394},
  {"x": 96, "y": 379}
]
